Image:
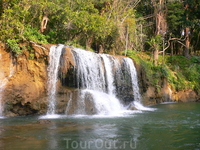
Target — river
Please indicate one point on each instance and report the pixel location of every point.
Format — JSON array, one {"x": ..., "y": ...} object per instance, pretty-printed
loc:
[{"x": 169, "y": 126}]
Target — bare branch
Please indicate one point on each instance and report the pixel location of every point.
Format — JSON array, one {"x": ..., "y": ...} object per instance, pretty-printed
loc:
[
  {"x": 173, "y": 39},
  {"x": 38, "y": 45},
  {"x": 182, "y": 43},
  {"x": 165, "y": 47}
]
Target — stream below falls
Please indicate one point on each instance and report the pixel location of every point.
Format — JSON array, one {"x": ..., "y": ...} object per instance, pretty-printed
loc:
[{"x": 169, "y": 126}]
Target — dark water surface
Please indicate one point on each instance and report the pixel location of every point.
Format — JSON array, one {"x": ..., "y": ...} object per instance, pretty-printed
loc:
[{"x": 172, "y": 126}]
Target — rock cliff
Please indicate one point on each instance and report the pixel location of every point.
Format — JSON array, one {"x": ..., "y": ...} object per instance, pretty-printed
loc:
[{"x": 25, "y": 91}]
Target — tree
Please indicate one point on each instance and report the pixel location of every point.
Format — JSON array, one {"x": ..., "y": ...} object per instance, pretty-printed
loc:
[
  {"x": 184, "y": 22},
  {"x": 155, "y": 43},
  {"x": 160, "y": 27}
]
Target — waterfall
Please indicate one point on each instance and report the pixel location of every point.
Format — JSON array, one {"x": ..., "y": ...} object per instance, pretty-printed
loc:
[
  {"x": 3, "y": 82},
  {"x": 100, "y": 76},
  {"x": 90, "y": 72},
  {"x": 109, "y": 73},
  {"x": 69, "y": 103},
  {"x": 54, "y": 61},
  {"x": 96, "y": 79},
  {"x": 4, "y": 76},
  {"x": 170, "y": 94},
  {"x": 134, "y": 81},
  {"x": 102, "y": 80},
  {"x": 1, "y": 87}
]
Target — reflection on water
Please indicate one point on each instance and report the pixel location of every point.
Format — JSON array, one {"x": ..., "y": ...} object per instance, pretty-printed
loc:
[{"x": 170, "y": 126}]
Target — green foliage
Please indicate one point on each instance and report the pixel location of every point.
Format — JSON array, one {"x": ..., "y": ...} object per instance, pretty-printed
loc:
[
  {"x": 182, "y": 14},
  {"x": 185, "y": 72},
  {"x": 90, "y": 23},
  {"x": 31, "y": 56},
  {"x": 130, "y": 53},
  {"x": 180, "y": 72},
  {"x": 191, "y": 73},
  {"x": 14, "y": 46},
  {"x": 178, "y": 62},
  {"x": 32, "y": 34},
  {"x": 175, "y": 18},
  {"x": 195, "y": 59},
  {"x": 134, "y": 55},
  {"x": 19, "y": 23},
  {"x": 155, "y": 42}
]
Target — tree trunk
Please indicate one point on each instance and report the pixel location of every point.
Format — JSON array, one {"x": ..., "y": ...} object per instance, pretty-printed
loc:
[
  {"x": 155, "y": 56},
  {"x": 187, "y": 40},
  {"x": 187, "y": 43},
  {"x": 161, "y": 24},
  {"x": 172, "y": 48},
  {"x": 89, "y": 42}
]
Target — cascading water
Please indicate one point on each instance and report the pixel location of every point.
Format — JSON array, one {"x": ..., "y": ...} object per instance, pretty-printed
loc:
[
  {"x": 54, "y": 61},
  {"x": 3, "y": 81},
  {"x": 109, "y": 74},
  {"x": 69, "y": 103},
  {"x": 90, "y": 73},
  {"x": 133, "y": 74},
  {"x": 2, "y": 84},
  {"x": 97, "y": 75},
  {"x": 101, "y": 79},
  {"x": 95, "y": 78},
  {"x": 134, "y": 81},
  {"x": 1, "y": 87}
]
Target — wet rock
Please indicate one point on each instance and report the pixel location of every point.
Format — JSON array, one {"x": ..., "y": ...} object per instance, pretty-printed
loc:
[
  {"x": 67, "y": 68},
  {"x": 131, "y": 107},
  {"x": 43, "y": 122},
  {"x": 25, "y": 89}
]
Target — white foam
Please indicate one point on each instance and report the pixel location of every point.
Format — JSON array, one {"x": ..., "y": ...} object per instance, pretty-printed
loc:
[
  {"x": 168, "y": 102},
  {"x": 139, "y": 106},
  {"x": 53, "y": 116}
]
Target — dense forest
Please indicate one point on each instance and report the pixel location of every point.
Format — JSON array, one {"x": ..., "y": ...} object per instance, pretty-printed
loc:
[{"x": 162, "y": 35}]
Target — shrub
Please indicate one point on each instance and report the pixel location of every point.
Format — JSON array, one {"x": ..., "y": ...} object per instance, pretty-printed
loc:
[
  {"x": 12, "y": 43},
  {"x": 32, "y": 34}
]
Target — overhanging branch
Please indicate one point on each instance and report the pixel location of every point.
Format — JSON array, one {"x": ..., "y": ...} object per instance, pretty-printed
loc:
[
  {"x": 38, "y": 45},
  {"x": 173, "y": 39}
]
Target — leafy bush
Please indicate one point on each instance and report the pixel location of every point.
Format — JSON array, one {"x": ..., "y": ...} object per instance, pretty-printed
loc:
[
  {"x": 178, "y": 60},
  {"x": 180, "y": 72},
  {"x": 195, "y": 59},
  {"x": 191, "y": 73},
  {"x": 32, "y": 34},
  {"x": 12, "y": 43}
]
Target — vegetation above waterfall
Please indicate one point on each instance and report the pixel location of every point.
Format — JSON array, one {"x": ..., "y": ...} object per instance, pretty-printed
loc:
[
  {"x": 180, "y": 72},
  {"x": 145, "y": 30},
  {"x": 110, "y": 26}
]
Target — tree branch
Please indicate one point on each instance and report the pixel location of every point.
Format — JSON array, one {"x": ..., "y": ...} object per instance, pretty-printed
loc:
[
  {"x": 182, "y": 43},
  {"x": 173, "y": 39},
  {"x": 165, "y": 47},
  {"x": 38, "y": 45}
]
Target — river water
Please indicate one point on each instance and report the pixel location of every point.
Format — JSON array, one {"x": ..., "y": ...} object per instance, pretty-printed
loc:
[{"x": 170, "y": 126}]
